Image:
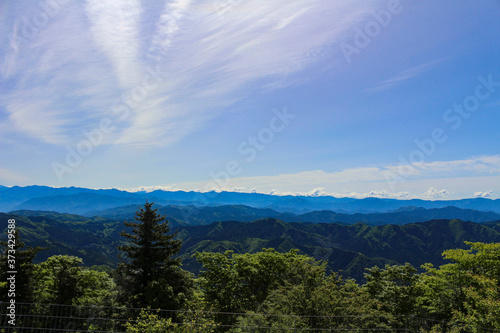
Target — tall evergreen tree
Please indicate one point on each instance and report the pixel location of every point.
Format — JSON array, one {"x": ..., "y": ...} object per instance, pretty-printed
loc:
[{"x": 150, "y": 274}]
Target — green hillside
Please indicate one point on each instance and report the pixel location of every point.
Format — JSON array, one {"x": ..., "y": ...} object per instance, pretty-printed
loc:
[
  {"x": 350, "y": 248},
  {"x": 95, "y": 240}
]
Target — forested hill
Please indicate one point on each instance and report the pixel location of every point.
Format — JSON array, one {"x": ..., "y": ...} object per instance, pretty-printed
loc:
[{"x": 350, "y": 248}]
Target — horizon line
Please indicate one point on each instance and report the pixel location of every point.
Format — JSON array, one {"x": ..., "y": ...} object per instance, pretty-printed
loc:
[{"x": 276, "y": 193}]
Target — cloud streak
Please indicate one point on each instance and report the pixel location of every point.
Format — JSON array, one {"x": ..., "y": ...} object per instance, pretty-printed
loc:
[
  {"x": 404, "y": 75},
  {"x": 373, "y": 181},
  {"x": 115, "y": 28},
  {"x": 92, "y": 53}
]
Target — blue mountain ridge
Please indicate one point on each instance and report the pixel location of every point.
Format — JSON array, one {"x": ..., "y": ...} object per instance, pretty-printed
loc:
[{"x": 81, "y": 200}]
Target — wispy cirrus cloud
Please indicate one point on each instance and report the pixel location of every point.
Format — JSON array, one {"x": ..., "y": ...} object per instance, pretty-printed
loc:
[
  {"x": 207, "y": 59},
  {"x": 404, "y": 75},
  {"x": 167, "y": 27},
  {"x": 476, "y": 165},
  {"x": 92, "y": 53},
  {"x": 115, "y": 26},
  {"x": 25, "y": 117},
  {"x": 52, "y": 86}
]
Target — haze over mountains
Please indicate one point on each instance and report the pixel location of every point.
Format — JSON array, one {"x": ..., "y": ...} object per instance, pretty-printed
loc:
[
  {"x": 191, "y": 215},
  {"x": 95, "y": 202}
]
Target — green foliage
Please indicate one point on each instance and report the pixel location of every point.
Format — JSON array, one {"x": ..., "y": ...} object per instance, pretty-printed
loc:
[
  {"x": 196, "y": 318},
  {"x": 395, "y": 287},
  {"x": 241, "y": 282},
  {"x": 441, "y": 291},
  {"x": 319, "y": 302},
  {"x": 481, "y": 307},
  {"x": 151, "y": 274},
  {"x": 149, "y": 322},
  {"x": 98, "y": 288},
  {"x": 58, "y": 278},
  {"x": 199, "y": 316},
  {"x": 481, "y": 259},
  {"x": 62, "y": 280},
  {"x": 466, "y": 290},
  {"x": 455, "y": 297},
  {"x": 479, "y": 269}
]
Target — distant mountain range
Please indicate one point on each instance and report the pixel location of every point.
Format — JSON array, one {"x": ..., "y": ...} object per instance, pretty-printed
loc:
[
  {"x": 191, "y": 215},
  {"x": 350, "y": 248},
  {"x": 84, "y": 201}
]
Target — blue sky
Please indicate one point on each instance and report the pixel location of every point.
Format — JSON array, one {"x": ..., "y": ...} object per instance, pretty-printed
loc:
[{"x": 391, "y": 98}]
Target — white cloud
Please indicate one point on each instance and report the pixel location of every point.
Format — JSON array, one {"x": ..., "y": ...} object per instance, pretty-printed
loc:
[
  {"x": 56, "y": 87},
  {"x": 239, "y": 189},
  {"x": 167, "y": 27},
  {"x": 286, "y": 21},
  {"x": 320, "y": 191},
  {"x": 433, "y": 193},
  {"x": 26, "y": 117},
  {"x": 430, "y": 194},
  {"x": 148, "y": 189},
  {"x": 92, "y": 53},
  {"x": 485, "y": 194},
  {"x": 434, "y": 180},
  {"x": 116, "y": 30},
  {"x": 207, "y": 57},
  {"x": 474, "y": 165}
]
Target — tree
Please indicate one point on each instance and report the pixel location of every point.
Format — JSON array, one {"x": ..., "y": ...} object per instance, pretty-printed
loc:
[
  {"x": 466, "y": 290},
  {"x": 58, "y": 279},
  {"x": 481, "y": 305},
  {"x": 285, "y": 290},
  {"x": 396, "y": 288},
  {"x": 241, "y": 282},
  {"x": 150, "y": 274},
  {"x": 62, "y": 280},
  {"x": 149, "y": 322},
  {"x": 480, "y": 259},
  {"x": 23, "y": 265},
  {"x": 319, "y": 302}
]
